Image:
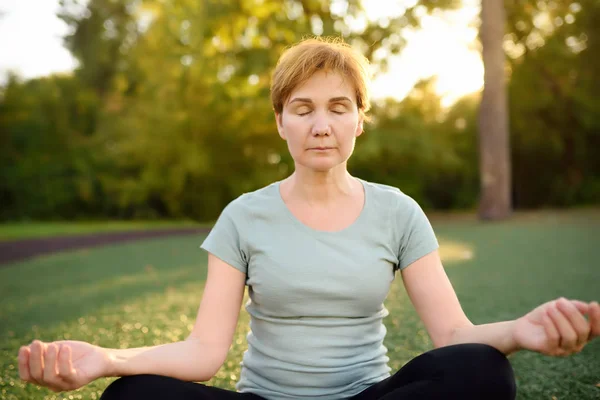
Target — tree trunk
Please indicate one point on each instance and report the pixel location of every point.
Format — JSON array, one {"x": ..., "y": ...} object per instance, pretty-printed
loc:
[{"x": 494, "y": 149}]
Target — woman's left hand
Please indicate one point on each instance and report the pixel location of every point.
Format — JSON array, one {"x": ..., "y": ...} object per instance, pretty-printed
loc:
[{"x": 558, "y": 327}]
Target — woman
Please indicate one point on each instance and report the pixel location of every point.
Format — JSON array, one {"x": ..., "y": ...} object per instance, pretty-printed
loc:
[{"x": 318, "y": 252}]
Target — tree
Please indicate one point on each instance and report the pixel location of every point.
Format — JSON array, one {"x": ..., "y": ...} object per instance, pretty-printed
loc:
[
  {"x": 494, "y": 151},
  {"x": 553, "y": 52},
  {"x": 186, "y": 124}
]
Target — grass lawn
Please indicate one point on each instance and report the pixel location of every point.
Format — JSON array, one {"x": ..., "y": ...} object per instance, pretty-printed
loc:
[
  {"x": 145, "y": 293},
  {"x": 26, "y": 230}
]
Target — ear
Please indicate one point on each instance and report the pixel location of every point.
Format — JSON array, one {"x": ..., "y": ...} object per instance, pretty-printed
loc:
[
  {"x": 359, "y": 127},
  {"x": 279, "y": 120}
]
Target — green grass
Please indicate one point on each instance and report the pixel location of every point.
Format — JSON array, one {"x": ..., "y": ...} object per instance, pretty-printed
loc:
[
  {"x": 145, "y": 293},
  {"x": 26, "y": 230}
]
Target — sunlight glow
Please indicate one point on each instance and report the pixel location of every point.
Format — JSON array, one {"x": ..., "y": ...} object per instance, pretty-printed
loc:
[
  {"x": 31, "y": 42},
  {"x": 451, "y": 251},
  {"x": 445, "y": 46}
]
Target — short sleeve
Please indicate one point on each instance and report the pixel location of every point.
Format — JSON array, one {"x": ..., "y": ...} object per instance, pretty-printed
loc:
[
  {"x": 225, "y": 242},
  {"x": 417, "y": 238}
]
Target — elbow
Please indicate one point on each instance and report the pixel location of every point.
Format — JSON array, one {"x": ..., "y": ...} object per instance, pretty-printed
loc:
[
  {"x": 212, "y": 367},
  {"x": 205, "y": 376},
  {"x": 442, "y": 341},
  {"x": 209, "y": 360},
  {"x": 451, "y": 336},
  {"x": 437, "y": 343},
  {"x": 206, "y": 370}
]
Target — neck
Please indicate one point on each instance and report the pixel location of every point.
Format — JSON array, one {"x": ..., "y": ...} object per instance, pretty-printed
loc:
[{"x": 320, "y": 187}]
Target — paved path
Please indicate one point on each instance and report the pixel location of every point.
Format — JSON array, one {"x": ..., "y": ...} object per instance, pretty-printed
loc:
[{"x": 17, "y": 250}]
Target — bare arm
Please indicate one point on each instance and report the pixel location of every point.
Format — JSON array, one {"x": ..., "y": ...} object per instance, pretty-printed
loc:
[
  {"x": 201, "y": 355},
  {"x": 557, "y": 327},
  {"x": 67, "y": 365},
  {"x": 434, "y": 298},
  {"x": 189, "y": 360}
]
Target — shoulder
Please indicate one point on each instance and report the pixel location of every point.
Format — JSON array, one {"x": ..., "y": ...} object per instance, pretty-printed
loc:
[
  {"x": 253, "y": 202},
  {"x": 391, "y": 197}
]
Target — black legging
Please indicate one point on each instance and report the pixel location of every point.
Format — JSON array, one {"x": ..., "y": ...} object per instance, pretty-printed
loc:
[{"x": 465, "y": 371}]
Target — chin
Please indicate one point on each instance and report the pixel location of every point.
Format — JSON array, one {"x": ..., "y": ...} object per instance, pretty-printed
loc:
[{"x": 321, "y": 165}]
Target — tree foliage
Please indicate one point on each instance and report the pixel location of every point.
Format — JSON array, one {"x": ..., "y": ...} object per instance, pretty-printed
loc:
[
  {"x": 168, "y": 113},
  {"x": 554, "y": 110}
]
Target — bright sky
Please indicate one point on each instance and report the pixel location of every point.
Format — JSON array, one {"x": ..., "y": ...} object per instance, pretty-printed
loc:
[
  {"x": 31, "y": 44},
  {"x": 30, "y": 38}
]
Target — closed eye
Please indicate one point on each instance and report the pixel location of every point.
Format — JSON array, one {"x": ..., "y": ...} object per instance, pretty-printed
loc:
[{"x": 339, "y": 108}]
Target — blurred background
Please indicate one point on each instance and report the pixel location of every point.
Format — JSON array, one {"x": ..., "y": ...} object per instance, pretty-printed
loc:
[{"x": 159, "y": 109}]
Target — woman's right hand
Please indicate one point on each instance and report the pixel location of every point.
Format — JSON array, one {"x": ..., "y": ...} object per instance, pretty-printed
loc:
[{"x": 63, "y": 365}]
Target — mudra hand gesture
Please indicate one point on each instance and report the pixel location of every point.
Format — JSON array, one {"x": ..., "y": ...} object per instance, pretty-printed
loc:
[
  {"x": 63, "y": 365},
  {"x": 558, "y": 327}
]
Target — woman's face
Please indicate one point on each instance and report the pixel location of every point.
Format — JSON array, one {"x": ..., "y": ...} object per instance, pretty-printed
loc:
[{"x": 320, "y": 122}]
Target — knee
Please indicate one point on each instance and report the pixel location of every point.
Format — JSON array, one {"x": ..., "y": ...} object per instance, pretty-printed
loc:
[
  {"x": 133, "y": 387},
  {"x": 486, "y": 370}
]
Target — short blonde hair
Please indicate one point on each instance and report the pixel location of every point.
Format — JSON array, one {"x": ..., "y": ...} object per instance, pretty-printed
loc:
[{"x": 299, "y": 62}]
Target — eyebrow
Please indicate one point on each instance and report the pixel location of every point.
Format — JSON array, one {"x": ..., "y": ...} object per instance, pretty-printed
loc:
[{"x": 332, "y": 100}]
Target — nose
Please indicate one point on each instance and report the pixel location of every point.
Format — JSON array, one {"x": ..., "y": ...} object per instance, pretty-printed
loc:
[{"x": 321, "y": 125}]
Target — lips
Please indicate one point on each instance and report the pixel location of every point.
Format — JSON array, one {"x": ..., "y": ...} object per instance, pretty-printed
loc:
[{"x": 321, "y": 148}]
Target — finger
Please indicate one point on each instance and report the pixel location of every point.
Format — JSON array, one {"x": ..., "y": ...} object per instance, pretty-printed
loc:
[
  {"x": 577, "y": 320},
  {"x": 24, "y": 364},
  {"x": 36, "y": 361},
  {"x": 65, "y": 364},
  {"x": 551, "y": 332},
  {"x": 582, "y": 306},
  {"x": 594, "y": 319},
  {"x": 49, "y": 376},
  {"x": 568, "y": 337}
]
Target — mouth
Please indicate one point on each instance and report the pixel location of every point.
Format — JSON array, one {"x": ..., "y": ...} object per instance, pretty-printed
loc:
[{"x": 321, "y": 148}]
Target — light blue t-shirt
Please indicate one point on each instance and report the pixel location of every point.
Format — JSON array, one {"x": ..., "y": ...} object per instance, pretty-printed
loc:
[{"x": 316, "y": 298}]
